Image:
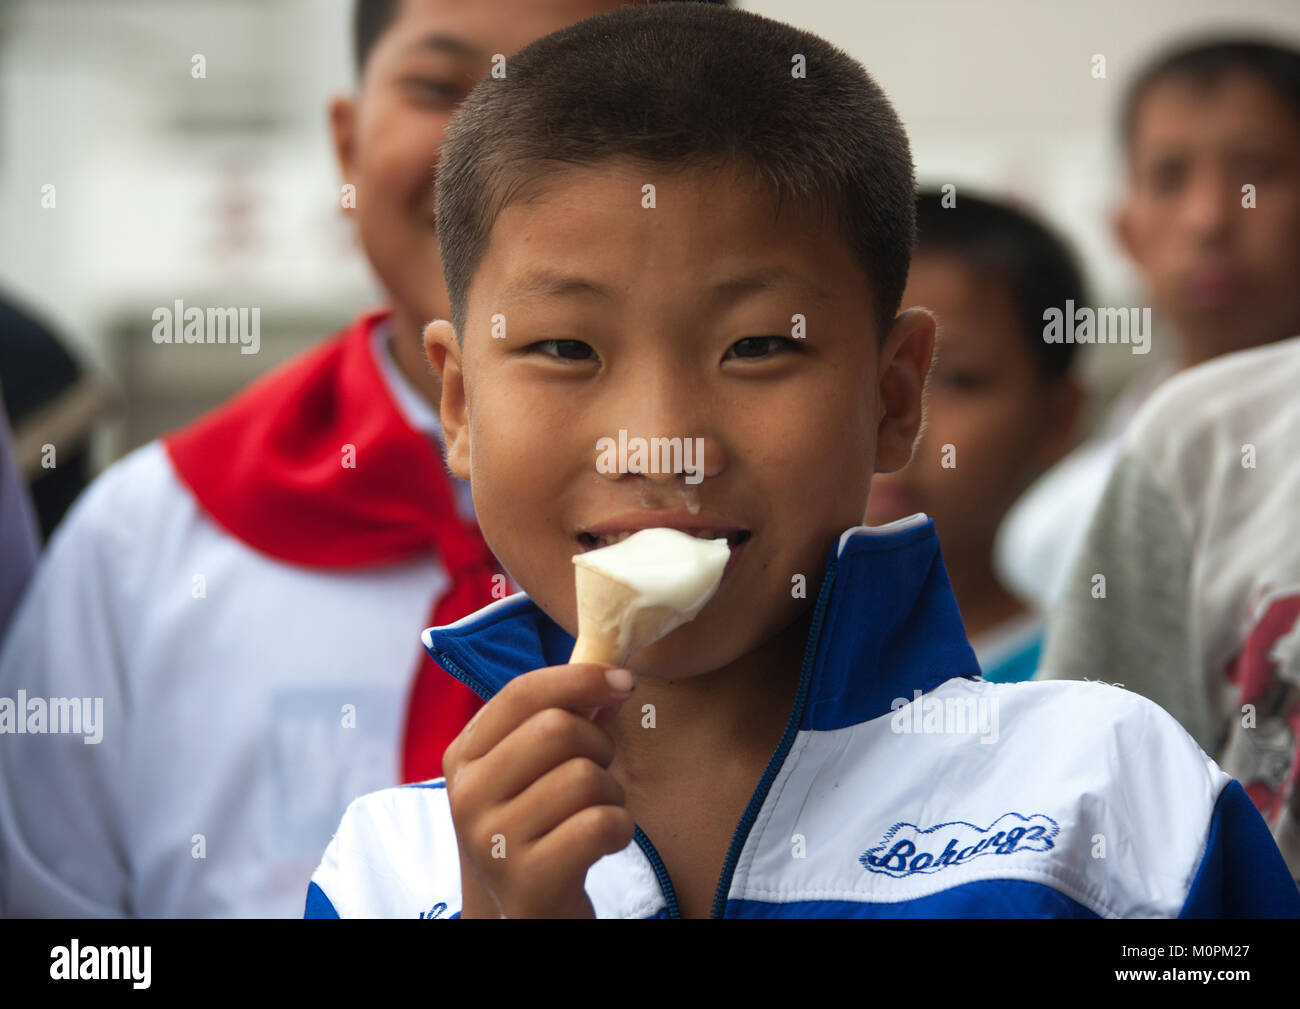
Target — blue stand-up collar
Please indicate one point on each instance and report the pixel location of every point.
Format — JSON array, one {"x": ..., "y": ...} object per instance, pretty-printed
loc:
[{"x": 885, "y": 625}]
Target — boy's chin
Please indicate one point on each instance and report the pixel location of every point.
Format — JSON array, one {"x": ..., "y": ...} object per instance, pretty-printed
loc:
[{"x": 689, "y": 651}]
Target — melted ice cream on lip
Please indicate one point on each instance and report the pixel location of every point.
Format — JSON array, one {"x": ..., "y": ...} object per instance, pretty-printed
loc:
[
  {"x": 634, "y": 592},
  {"x": 651, "y": 499}
]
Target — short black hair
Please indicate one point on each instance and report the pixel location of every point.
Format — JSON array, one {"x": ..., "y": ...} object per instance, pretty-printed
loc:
[
  {"x": 679, "y": 86},
  {"x": 1205, "y": 62},
  {"x": 371, "y": 18},
  {"x": 1010, "y": 247}
]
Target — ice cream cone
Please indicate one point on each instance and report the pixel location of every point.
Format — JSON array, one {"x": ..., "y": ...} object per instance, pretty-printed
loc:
[{"x": 634, "y": 592}]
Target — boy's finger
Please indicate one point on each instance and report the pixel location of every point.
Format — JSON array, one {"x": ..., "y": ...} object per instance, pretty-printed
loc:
[
  {"x": 570, "y": 849},
  {"x": 575, "y": 687},
  {"x": 546, "y": 740},
  {"x": 562, "y": 792}
]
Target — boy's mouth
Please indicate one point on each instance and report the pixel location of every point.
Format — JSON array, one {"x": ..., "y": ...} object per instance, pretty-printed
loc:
[
  {"x": 593, "y": 541},
  {"x": 703, "y": 526},
  {"x": 616, "y": 530}
]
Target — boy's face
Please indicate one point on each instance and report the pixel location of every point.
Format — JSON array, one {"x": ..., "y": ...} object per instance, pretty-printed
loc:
[
  {"x": 674, "y": 322},
  {"x": 1227, "y": 276},
  {"x": 388, "y": 138},
  {"x": 987, "y": 401}
]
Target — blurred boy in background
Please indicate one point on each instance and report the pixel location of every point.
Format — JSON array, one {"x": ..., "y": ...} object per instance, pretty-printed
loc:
[
  {"x": 1002, "y": 404},
  {"x": 244, "y": 598},
  {"x": 1186, "y": 588},
  {"x": 1211, "y": 218}
]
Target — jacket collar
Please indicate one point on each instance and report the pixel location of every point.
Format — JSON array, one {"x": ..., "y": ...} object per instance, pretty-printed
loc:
[{"x": 886, "y": 625}]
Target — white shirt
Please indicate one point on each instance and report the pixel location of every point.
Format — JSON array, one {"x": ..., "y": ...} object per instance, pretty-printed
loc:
[
  {"x": 245, "y": 702},
  {"x": 1040, "y": 536},
  {"x": 1197, "y": 542}
]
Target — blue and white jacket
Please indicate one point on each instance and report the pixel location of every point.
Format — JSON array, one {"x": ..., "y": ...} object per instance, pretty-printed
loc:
[{"x": 904, "y": 785}]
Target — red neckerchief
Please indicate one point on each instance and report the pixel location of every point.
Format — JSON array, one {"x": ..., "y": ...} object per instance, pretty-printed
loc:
[{"x": 269, "y": 467}]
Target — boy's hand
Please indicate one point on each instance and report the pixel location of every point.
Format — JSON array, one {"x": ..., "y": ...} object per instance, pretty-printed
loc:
[{"x": 531, "y": 796}]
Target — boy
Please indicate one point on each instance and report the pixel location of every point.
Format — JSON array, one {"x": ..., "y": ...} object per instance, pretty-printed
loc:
[
  {"x": 1001, "y": 404},
  {"x": 1211, "y": 135},
  {"x": 1195, "y": 540},
  {"x": 615, "y": 266},
  {"x": 242, "y": 598}
]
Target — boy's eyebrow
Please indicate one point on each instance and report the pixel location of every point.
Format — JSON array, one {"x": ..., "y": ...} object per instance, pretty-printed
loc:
[
  {"x": 451, "y": 45},
  {"x": 550, "y": 284},
  {"x": 769, "y": 279}
]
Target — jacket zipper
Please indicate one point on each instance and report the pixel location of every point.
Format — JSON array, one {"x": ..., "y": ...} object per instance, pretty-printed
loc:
[
  {"x": 769, "y": 774},
  {"x": 764, "y": 785},
  {"x": 473, "y": 682},
  {"x": 782, "y": 750},
  {"x": 661, "y": 872}
]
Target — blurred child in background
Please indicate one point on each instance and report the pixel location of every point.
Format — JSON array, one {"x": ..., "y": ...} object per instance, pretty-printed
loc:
[
  {"x": 245, "y": 596},
  {"x": 1187, "y": 589},
  {"x": 1002, "y": 403},
  {"x": 1211, "y": 218}
]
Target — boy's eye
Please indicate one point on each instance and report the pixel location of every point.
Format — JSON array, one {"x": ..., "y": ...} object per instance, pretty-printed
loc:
[
  {"x": 758, "y": 346},
  {"x": 565, "y": 350},
  {"x": 1168, "y": 176},
  {"x": 436, "y": 92},
  {"x": 958, "y": 379},
  {"x": 1255, "y": 168}
]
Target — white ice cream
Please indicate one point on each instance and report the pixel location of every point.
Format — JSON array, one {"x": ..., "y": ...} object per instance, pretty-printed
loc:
[
  {"x": 664, "y": 566},
  {"x": 634, "y": 592}
]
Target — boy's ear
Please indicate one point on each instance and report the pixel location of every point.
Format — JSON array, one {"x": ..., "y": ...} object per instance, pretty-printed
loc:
[
  {"x": 444, "y": 355},
  {"x": 904, "y": 364},
  {"x": 343, "y": 129}
]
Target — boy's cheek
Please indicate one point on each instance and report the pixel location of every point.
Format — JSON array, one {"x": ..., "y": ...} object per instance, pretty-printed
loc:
[
  {"x": 396, "y": 156},
  {"x": 1274, "y": 241},
  {"x": 517, "y": 510}
]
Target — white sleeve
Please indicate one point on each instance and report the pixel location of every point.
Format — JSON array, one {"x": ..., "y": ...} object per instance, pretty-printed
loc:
[
  {"x": 327, "y": 893},
  {"x": 1125, "y": 614},
  {"x": 394, "y": 855},
  {"x": 64, "y": 795}
]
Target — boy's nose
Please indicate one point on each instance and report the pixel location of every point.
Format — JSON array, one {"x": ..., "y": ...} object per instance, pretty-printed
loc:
[
  {"x": 676, "y": 424},
  {"x": 1210, "y": 207},
  {"x": 660, "y": 456},
  {"x": 701, "y": 457}
]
